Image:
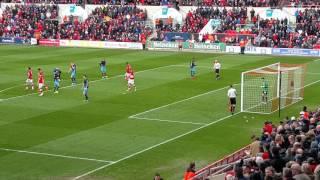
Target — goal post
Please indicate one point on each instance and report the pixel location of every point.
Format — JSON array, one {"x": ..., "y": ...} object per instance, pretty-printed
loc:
[{"x": 267, "y": 89}]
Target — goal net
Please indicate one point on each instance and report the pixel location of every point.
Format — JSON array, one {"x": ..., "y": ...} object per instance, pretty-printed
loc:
[{"x": 267, "y": 89}]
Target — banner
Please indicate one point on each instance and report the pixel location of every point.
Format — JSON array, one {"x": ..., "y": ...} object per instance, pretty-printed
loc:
[
  {"x": 101, "y": 44},
  {"x": 293, "y": 51},
  {"x": 49, "y": 42},
  {"x": 6, "y": 40},
  {"x": 162, "y": 44},
  {"x": 186, "y": 45},
  {"x": 249, "y": 50},
  {"x": 210, "y": 46},
  {"x": 33, "y": 41},
  {"x": 177, "y": 36},
  {"x": 215, "y": 22},
  {"x": 164, "y": 11}
]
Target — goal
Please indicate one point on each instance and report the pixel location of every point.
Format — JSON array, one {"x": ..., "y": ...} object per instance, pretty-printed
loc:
[{"x": 267, "y": 89}]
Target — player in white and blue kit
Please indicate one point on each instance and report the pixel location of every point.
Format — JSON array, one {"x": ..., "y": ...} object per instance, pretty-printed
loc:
[
  {"x": 103, "y": 69},
  {"x": 73, "y": 71},
  {"x": 85, "y": 87},
  {"x": 193, "y": 68},
  {"x": 56, "y": 79}
]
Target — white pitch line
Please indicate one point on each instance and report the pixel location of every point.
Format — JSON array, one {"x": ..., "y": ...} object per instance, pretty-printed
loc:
[
  {"x": 169, "y": 121},
  {"x": 315, "y": 82},
  {"x": 6, "y": 89},
  {"x": 55, "y": 155},
  {"x": 164, "y": 142},
  {"x": 152, "y": 147},
  {"x": 97, "y": 80},
  {"x": 313, "y": 73},
  {"x": 186, "y": 66},
  {"x": 176, "y": 102}
]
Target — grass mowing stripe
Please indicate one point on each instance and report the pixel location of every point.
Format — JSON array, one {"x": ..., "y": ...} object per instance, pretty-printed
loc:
[
  {"x": 97, "y": 80},
  {"x": 169, "y": 140},
  {"x": 176, "y": 102},
  {"x": 152, "y": 147},
  {"x": 54, "y": 155},
  {"x": 164, "y": 120}
]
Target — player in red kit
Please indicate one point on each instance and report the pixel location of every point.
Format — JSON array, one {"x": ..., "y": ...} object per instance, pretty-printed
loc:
[
  {"x": 40, "y": 81},
  {"x": 131, "y": 85},
  {"x": 29, "y": 81},
  {"x": 128, "y": 71}
]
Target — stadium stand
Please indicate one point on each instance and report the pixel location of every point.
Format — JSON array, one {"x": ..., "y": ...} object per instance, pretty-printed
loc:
[
  {"x": 301, "y": 3},
  {"x": 287, "y": 151},
  {"x": 24, "y": 20},
  {"x": 233, "y": 3},
  {"x": 115, "y": 23},
  {"x": 236, "y": 25},
  {"x": 128, "y": 23}
]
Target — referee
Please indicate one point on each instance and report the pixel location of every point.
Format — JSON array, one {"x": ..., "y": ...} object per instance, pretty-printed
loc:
[
  {"x": 216, "y": 69},
  {"x": 232, "y": 95}
]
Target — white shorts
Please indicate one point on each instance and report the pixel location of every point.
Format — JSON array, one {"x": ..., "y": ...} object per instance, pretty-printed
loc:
[
  {"x": 29, "y": 81},
  {"x": 131, "y": 82},
  {"x": 40, "y": 85}
]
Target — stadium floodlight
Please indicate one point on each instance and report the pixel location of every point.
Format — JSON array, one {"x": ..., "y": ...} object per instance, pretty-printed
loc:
[{"x": 270, "y": 88}]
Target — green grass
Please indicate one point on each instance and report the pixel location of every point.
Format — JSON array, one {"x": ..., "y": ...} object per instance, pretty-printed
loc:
[{"x": 63, "y": 124}]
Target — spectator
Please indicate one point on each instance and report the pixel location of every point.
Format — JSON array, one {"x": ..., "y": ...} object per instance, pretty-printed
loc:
[
  {"x": 157, "y": 177},
  {"x": 255, "y": 146},
  {"x": 270, "y": 173},
  {"x": 297, "y": 173},
  {"x": 190, "y": 172}
]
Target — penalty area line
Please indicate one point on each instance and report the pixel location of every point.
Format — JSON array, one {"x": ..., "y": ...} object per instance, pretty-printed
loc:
[
  {"x": 154, "y": 146},
  {"x": 169, "y": 121},
  {"x": 55, "y": 155},
  {"x": 176, "y": 102}
]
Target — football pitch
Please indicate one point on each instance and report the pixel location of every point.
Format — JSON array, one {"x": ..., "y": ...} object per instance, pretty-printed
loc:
[{"x": 168, "y": 122}]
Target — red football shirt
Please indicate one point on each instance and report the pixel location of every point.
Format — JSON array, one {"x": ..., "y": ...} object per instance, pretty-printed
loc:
[
  {"x": 128, "y": 68},
  {"x": 29, "y": 74},
  {"x": 40, "y": 78}
]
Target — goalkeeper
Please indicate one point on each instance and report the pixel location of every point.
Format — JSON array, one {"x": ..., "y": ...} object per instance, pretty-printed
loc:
[{"x": 265, "y": 89}]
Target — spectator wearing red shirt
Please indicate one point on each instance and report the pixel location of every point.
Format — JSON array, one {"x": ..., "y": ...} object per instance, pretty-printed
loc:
[
  {"x": 268, "y": 127},
  {"x": 190, "y": 172}
]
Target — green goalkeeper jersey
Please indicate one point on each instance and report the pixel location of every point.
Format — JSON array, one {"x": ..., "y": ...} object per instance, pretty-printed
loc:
[{"x": 265, "y": 86}]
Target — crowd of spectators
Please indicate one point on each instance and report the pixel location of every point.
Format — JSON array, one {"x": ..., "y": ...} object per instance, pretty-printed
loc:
[
  {"x": 195, "y": 20},
  {"x": 275, "y": 32},
  {"x": 302, "y": 3},
  {"x": 235, "y": 24},
  {"x": 127, "y": 23},
  {"x": 24, "y": 21},
  {"x": 233, "y": 3},
  {"x": 116, "y": 23},
  {"x": 307, "y": 33},
  {"x": 239, "y": 3},
  {"x": 287, "y": 151}
]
